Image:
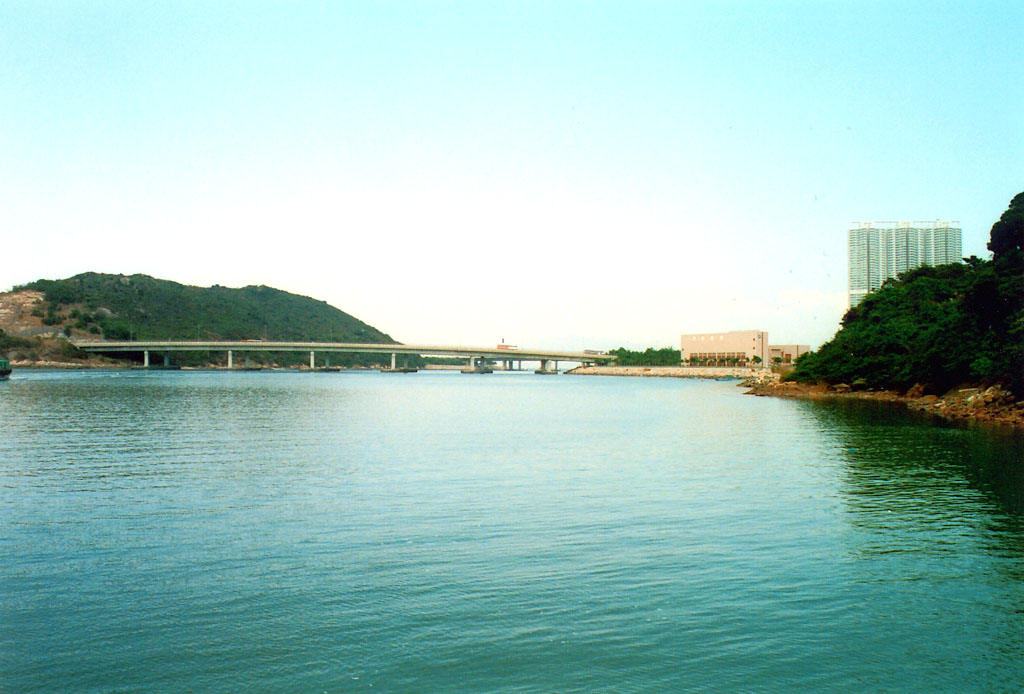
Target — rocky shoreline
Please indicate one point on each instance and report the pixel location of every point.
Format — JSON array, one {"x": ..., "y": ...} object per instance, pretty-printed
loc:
[
  {"x": 52, "y": 365},
  {"x": 993, "y": 404}
]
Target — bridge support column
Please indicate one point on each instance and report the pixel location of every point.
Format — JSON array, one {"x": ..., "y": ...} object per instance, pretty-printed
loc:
[
  {"x": 395, "y": 368},
  {"x": 312, "y": 360},
  {"x": 475, "y": 368},
  {"x": 545, "y": 367},
  {"x": 145, "y": 359},
  {"x": 230, "y": 364},
  {"x": 167, "y": 358}
]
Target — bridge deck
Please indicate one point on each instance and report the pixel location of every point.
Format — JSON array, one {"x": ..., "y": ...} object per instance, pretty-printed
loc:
[{"x": 364, "y": 348}]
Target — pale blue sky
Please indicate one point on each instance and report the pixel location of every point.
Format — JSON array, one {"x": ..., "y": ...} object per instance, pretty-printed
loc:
[{"x": 555, "y": 174}]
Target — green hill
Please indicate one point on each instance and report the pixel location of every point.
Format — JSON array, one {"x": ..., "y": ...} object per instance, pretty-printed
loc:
[
  {"x": 144, "y": 308},
  {"x": 937, "y": 326}
]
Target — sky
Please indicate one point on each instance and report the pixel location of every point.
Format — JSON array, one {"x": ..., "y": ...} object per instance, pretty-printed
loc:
[{"x": 552, "y": 174}]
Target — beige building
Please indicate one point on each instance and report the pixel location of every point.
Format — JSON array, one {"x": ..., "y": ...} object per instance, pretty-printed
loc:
[
  {"x": 787, "y": 353},
  {"x": 720, "y": 349}
]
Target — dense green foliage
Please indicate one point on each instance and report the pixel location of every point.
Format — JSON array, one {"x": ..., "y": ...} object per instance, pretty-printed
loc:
[
  {"x": 666, "y": 356},
  {"x": 937, "y": 326},
  {"x": 143, "y": 308},
  {"x": 1007, "y": 234}
]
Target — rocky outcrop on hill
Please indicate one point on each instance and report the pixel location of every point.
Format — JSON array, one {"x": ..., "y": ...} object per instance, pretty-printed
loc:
[{"x": 21, "y": 314}]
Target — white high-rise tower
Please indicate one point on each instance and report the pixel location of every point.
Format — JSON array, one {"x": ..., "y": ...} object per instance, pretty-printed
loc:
[{"x": 881, "y": 250}]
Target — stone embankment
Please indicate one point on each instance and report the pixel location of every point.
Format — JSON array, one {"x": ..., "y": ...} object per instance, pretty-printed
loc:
[
  {"x": 993, "y": 404},
  {"x": 757, "y": 375}
]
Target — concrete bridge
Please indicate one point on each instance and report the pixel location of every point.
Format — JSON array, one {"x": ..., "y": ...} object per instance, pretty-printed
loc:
[{"x": 548, "y": 358}]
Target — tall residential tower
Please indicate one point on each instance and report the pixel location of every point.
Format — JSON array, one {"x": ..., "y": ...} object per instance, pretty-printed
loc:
[{"x": 881, "y": 250}]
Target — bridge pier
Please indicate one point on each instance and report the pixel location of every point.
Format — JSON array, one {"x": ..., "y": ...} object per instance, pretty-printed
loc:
[
  {"x": 544, "y": 367},
  {"x": 312, "y": 360},
  {"x": 475, "y": 368},
  {"x": 230, "y": 355},
  {"x": 145, "y": 359},
  {"x": 167, "y": 358},
  {"x": 395, "y": 368}
]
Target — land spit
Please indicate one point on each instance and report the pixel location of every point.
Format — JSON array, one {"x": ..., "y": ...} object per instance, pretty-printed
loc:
[{"x": 746, "y": 372}]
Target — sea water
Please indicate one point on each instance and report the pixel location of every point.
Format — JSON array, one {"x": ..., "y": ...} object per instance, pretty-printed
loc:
[{"x": 440, "y": 532}]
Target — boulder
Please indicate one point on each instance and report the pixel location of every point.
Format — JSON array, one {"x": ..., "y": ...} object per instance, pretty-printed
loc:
[
  {"x": 997, "y": 396},
  {"x": 916, "y": 391}
]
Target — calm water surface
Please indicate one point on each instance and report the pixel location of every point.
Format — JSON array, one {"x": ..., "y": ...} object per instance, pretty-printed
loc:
[{"x": 440, "y": 532}]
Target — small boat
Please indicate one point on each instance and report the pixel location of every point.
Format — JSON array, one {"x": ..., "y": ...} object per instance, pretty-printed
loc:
[{"x": 5, "y": 369}]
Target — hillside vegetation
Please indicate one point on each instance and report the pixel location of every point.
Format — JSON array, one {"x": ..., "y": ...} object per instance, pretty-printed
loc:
[
  {"x": 937, "y": 326},
  {"x": 140, "y": 307}
]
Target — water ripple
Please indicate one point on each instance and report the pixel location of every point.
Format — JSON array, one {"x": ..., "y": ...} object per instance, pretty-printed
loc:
[{"x": 197, "y": 531}]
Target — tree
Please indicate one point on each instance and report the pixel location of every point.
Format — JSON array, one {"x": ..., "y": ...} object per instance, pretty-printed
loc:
[{"x": 1007, "y": 234}]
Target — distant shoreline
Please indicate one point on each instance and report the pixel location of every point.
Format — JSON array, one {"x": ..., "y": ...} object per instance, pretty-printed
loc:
[{"x": 710, "y": 372}]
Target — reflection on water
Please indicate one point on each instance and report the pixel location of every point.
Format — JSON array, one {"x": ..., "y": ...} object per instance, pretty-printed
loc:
[
  {"x": 887, "y": 442},
  {"x": 935, "y": 528},
  {"x": 214, "y": 531}
]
